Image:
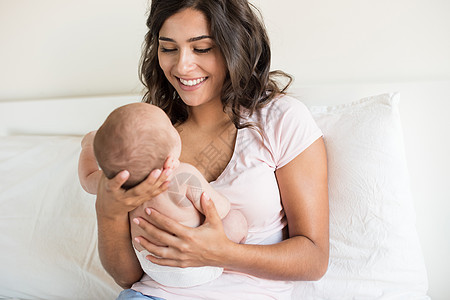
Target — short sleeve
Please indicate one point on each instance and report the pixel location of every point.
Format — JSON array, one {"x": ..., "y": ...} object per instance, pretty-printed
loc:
[{"x": 290, "y": 129}]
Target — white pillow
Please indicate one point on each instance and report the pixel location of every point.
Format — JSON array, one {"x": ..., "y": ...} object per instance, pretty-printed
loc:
[
  {"x": 374, "y": 247},
  {"x": 48, "y": 234}
]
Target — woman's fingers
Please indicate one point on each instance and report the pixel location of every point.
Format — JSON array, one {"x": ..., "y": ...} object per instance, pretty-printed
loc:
[
  {"x": 154, "y": 234},
  {"x": 160, "y": 251},
  {"x": 174, "y": 244},
  {"x": 117, "y": 181},
  {"x": 154, "y": 184},
  {"x": 121, "y": 200},
  {"x": 167, "y": 255},
  {"x": 164, "y": 223},
  {"x": 110, "y": 202},
  {"x": 210, "y": 211},
  {"x": 171, "y": 162},
  {"x": 165, "y": 262},
  {"x": 161, "y": 184},
  {"x": 157, "y": 240}
]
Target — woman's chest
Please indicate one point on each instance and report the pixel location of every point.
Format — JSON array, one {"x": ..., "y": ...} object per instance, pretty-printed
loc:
[
  {"x": 252, "y": 189},
  {"x": 250, "y": 183},
  {"x": 210, "y": 154}
]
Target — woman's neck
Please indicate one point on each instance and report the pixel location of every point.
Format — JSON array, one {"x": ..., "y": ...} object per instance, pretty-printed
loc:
[{"x": 208, "y": 117}]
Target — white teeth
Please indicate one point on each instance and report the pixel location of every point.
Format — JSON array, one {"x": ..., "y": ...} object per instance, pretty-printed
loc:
[{"x": 192, "y": 82}]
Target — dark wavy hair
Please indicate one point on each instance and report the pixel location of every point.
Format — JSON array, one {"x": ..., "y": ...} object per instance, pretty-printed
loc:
[{"x": 242, "y": 38}]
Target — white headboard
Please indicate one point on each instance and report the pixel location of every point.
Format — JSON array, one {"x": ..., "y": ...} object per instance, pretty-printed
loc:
[{"x": 66, "y": 116}]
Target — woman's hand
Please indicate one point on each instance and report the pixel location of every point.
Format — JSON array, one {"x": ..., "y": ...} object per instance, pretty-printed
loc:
[
  {"x": 182, "y": 246},
  {"x": 114, "y": 201}
]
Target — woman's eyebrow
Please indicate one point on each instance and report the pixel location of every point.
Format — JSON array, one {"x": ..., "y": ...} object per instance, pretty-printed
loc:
[
  {"x": 198, "y": 38},
  {"x": 194, "y": 39}
]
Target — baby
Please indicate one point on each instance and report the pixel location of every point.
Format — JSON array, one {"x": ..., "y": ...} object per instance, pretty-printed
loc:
[{"x": 138, "y": 137}]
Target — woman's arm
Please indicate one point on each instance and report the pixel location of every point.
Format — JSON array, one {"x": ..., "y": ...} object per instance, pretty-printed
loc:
[
  {"x": 114, "y": 239},
  {"x": 304, "y": 193},
  {"x": 112, "y": 206},
  {"x": 303, "y": 256}
]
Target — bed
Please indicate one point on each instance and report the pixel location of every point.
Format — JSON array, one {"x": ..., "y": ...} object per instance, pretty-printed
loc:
[{"x": 387, "y": 175}]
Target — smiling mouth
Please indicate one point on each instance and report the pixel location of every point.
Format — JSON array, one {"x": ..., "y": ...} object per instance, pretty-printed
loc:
[{"x": 192, "y": 82}]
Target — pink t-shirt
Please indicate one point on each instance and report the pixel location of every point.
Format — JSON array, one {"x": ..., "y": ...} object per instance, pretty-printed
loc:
[{"x": 250, "y": 184}]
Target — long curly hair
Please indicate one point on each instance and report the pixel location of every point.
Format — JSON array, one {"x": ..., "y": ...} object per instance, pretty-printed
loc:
[{"x": 241, "y": 36}]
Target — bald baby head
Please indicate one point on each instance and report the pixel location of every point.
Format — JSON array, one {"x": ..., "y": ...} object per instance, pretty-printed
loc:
[{"x": 135, "y": 137}]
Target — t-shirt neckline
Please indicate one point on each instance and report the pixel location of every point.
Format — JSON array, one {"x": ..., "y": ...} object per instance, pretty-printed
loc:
[{"x": 232, "y": 159}]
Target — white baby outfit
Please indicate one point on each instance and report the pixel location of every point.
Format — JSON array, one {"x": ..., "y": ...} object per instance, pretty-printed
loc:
[{"x": 177, "y": 277}]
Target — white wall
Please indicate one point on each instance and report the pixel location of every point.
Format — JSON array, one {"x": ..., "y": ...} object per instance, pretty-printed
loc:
[
  {"x": 58, "y": 48},
  {"x": 344, "y": 41},
  {"x": 54, "y": 48}
]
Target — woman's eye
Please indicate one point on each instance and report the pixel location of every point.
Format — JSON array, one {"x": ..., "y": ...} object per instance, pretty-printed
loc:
[
  {"x": 203, "y": 50},
  {"x": 166, "y": 50}
]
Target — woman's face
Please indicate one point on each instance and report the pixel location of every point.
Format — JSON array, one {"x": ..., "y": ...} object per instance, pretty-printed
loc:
[{"x": 190, "y": 59}]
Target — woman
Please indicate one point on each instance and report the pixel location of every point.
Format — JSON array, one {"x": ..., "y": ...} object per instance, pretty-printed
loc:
[{"x": 206, "y": 64}]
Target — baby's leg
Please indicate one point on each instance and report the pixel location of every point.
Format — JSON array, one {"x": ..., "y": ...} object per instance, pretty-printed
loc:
[{"x": 235, "y": 226}]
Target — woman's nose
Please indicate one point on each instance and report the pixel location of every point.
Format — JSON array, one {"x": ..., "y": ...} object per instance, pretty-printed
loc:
[{"x": 186, "y": 62}]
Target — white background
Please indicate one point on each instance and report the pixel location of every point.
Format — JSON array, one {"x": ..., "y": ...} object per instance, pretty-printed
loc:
[
  {"x": 72, "y": 48},
  {"x": 54, "y": 48}
]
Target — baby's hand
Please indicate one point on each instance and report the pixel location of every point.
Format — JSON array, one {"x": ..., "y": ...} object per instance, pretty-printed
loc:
[{"x": 88, "y": 139}]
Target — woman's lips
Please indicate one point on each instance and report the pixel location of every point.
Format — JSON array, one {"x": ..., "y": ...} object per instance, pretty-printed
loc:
[{"x": 191, "y": 84}]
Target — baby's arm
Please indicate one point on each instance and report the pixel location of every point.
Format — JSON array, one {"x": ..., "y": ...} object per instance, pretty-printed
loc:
[
  {"x": 234, "y": 223},
  {"x": 88, "y": 171},
  {"x": 197, "y": 185}
]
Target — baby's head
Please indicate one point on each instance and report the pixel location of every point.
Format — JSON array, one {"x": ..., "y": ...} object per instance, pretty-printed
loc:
[{"x": 135, "y": 137}]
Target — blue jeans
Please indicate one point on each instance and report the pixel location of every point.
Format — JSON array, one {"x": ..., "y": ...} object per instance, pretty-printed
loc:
[{"x": 133, "y": 295}]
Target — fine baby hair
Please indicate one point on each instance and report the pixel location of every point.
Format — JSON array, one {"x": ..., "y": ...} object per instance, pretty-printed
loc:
[{"x": 135, "y": 137}]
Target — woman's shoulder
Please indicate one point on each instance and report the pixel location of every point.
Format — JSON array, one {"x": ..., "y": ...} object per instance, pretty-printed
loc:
[
  {"x": 289, "y": 128},
  {"x": 281, "y": 107},
  {"x": 285, "y": 101}
]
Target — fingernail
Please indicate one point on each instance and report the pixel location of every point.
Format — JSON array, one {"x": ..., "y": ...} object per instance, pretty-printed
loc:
[
  {"x": 168, "y": 172},
  {"x": 137, "y": 240},
  {"x": 156, "y": 173},
  {"x": 206, "y": 196},
  {"x": 148, "y": 211},
  {"x": 136, "y": 221}
]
